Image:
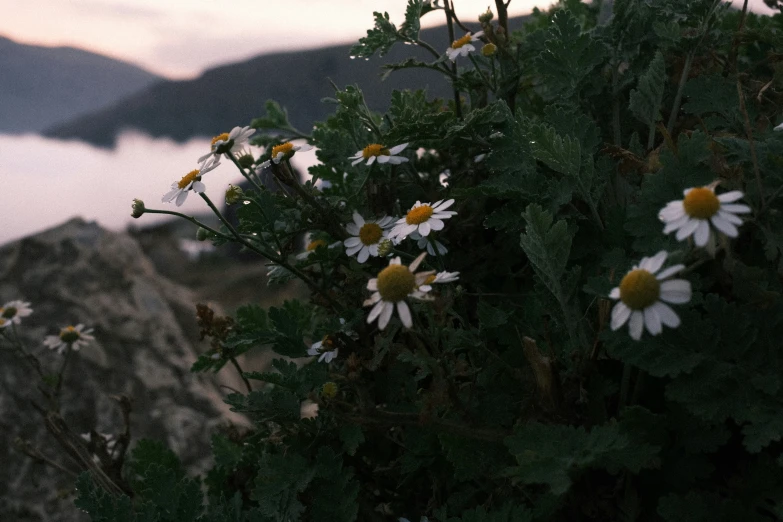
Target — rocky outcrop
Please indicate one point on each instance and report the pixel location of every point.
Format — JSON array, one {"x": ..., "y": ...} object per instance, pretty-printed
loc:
[{"x": 146, "y": 340}]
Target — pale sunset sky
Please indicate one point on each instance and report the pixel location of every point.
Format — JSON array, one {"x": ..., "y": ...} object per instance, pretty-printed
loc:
[{"x": 181, "y": 38}]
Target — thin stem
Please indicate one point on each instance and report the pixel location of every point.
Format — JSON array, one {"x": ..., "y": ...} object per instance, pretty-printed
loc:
[
  {"x": 189, "y": 218},
  {"x": 60, "y": 373},
  {"x": 450, "y": 25},
  {"x": 269, "y": 222},
  {"x": 481, "y": 73},
  {"x": 502, "y": 10},
  {"x": 749, "y": 132},
  {"x": 241, "y": 373},
  {"x": 242, "y": 171},
  {"x": 680, "y": 89}
]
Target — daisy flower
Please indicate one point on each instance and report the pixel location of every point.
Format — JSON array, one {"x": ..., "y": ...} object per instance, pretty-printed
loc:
[
  {"x": 314, "y": 245},
  {"x": 71, "y": 337},
  {"x": 700, "y": 208},
  {"x": 326, "y": 348},
  {"x": 426, "y": 242},
  {"x": 422, "y": 218},
  {"x": 642, "y": 293},
  {"x": 366, "y": 235},
  {"x": 288, "y": 149},
  {"x": 229, "y": 142},
  {"x": 463, "y": 46},
  {"x": 381, "y": 153},
  {"x": 439, "y": 278},
  {"x": 13, "y": 311},
  {"x": 393, "y": 284},
  {"x": 190, "y": 181}
]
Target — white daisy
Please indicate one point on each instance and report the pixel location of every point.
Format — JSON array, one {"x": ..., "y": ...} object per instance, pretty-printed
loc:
[
  {"x": 366, "y": 235},
  {"x": 325, "y": 348},
  {"x": 439, "y": 278},
  {"x": 642, "y": 292},
  {"x": 463, "y": 46},
  {"x": 229, "y": 142},
  {"x": 422, "y": 218},
  {"x": 13, "y": 311},
  {"x": 393, "y": 284},
  {"x": 693, "y": 214},
  {"x": 71, "y": 337},
  {"x": 381, "y": 153},
  {"x": 312, "y": 246},
  {"x": 190, "y": 181},
  {"x": 427, "y": 242}
]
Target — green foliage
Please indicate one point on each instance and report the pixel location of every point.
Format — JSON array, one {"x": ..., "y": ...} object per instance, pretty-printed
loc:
[{"x": 512, "y": 397}]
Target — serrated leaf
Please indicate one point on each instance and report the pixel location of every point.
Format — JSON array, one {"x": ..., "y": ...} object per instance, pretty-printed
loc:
[
  {"x": 352, "y": 437},
  {"x": 547, "y": 245},
  {"x": 379, "y": 39},
  {"x": 411, "y": 26},
  {"x": 645, "y": 100}
]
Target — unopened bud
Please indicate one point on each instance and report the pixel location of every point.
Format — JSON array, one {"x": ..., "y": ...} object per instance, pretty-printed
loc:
[
  {"x": 246, "y": 161},
  {"x": 485, "y": 17},
  {"x": 489, "y": 49},
  {"x": 329, "y": 390},
  {"x": 202, "y": 234},
  {"x": 138, "y": 208},
  {"x": 385, "y": 247},
  {"x": 234, "y": 194}
]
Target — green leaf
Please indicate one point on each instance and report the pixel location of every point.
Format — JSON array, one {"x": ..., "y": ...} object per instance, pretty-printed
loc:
[
  {"x": 547, "y": 246},
  {"x": 379, "y": 39},
  {"x": 352, "y": 437},
  {"x": 411, "y": 26},
  {"x": 103, "y": 506},
  {"x": 278, "y": 484},
  {"x": 646, "y": 99}
]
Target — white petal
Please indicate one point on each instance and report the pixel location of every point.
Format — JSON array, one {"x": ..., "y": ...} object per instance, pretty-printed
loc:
[
  {"x": 437, "y": 207},
  {"x": 374, "y": 298},
  {"x": 383, "y": 159},
  {"x": 353, "y": 249},
  {"x": 620, "y": 314},
  {"x": 702, "y": 234},
  {"x": 182, "y": 197},
  {"x": 653, "y": 264},
  {"x": 371, "y": 160},
  {"x": 728, "y": 197},
  {"x": 652, "y": 321},
  {"x": 384, "y": 221},
  {"x": 416, "y": 262},
  {"x": 363, "y": 255},
  {"x": 354, "y": 162},
  {"x": 724, "y": 226},
  {"x": 397, "y": 149},
  {"x": 424, "y": 229},
  {"x": 615, "y": 293},
  {"x": 168, "y": 196},
  {"x": 388, "y": 310},
  {"x": 304, "y": 148},
  {"x": 669, "y": 272},
  {"x": 731, "y": 218},
  {"x": 352, "y": 241},
  {"x": 376, "y": 311},
  {"x": 352, "y": 229},
  {"x": 396, "y": 160},
  {"x": 636, "y": 325},
  {"x": 372, "y": 284},
  {"x": 435, "y": 224},
  {"x": 687, "y": 229},
  {"x": 476, "y": 35},
  {"x": 672, "y": 213},
  {"x": 667, "y": 315},
  {"x": 674, "y": 225},
  {"x": 405, "y": 314},
  {"x": 373, "y": 250},
  {"x": 736, "y": 209},
  {"x": 199, "y": 187},
  {"x": 676, "y": 291}
]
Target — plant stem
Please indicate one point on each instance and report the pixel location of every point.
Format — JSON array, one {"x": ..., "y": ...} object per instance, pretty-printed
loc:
[
  {"x": 749, "y": 133},
  {"x": 450, "y": 25},
  {"x": 189, "y": 218},
  {"x": 241, "y": 373},
  {"x": 242, "y": 171}
]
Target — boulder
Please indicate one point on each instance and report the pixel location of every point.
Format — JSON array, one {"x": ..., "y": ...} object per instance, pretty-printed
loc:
[{"x": 146, "y": 339}]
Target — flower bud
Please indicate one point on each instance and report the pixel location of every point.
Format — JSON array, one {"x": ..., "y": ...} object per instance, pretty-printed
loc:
[
  {"x": 137, "y": 208},
  {"x": 489, "y": 49},
  {"x": 329, "y": 390},
  {"x": 485, "y": 17},
  {"x": 246, "y": 161},
  {"x": 202, "y": 234},
  {"x": 385, "y": 247},
  {"x": 234, "y": 194}
]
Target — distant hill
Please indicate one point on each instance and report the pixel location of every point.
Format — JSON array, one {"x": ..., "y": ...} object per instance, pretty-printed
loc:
[
  {"x": 43, "y": 86},
  {"x": 234, "y": 94}
]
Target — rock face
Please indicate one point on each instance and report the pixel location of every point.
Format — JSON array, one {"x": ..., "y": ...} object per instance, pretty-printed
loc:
[{"x": 146, "y": 340}]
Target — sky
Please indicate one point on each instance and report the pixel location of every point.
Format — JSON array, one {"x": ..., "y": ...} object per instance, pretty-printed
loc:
[{"x": 181, "y": 38}]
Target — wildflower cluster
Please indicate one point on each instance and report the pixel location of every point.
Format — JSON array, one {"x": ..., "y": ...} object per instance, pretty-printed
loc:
[{"x": 461, "y": 352}]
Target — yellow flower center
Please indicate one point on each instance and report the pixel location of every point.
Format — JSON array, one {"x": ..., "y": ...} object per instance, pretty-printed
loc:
[
  {"x": 639, "y": 289},
  {"x": 69, "y": 334},
  {"x": 701, "y": 203},
  {"x": 375, "y": 150},
  {"x": 315, "y": 244},
  {"x": 286, "y": 148},
  {"x": 370, "y": 233},
  {"x": 329, "y": 390},
  {"x": 8, "y": 313},
  {"x": 456, "y": 44},
  {"x": 489, "y": 49},
  {"x": 418, "y": 215},
  {"x": 220, "y": 137},
  {"x": 188, "y": 178},
  {"x": 327, "y": 344},
  {"x": 2, "y": 321},
  {"x": 395, "y": 282}
]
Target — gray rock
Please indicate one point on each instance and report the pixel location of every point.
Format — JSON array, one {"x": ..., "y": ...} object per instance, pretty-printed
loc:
[{"x": 146, "y": 340}]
